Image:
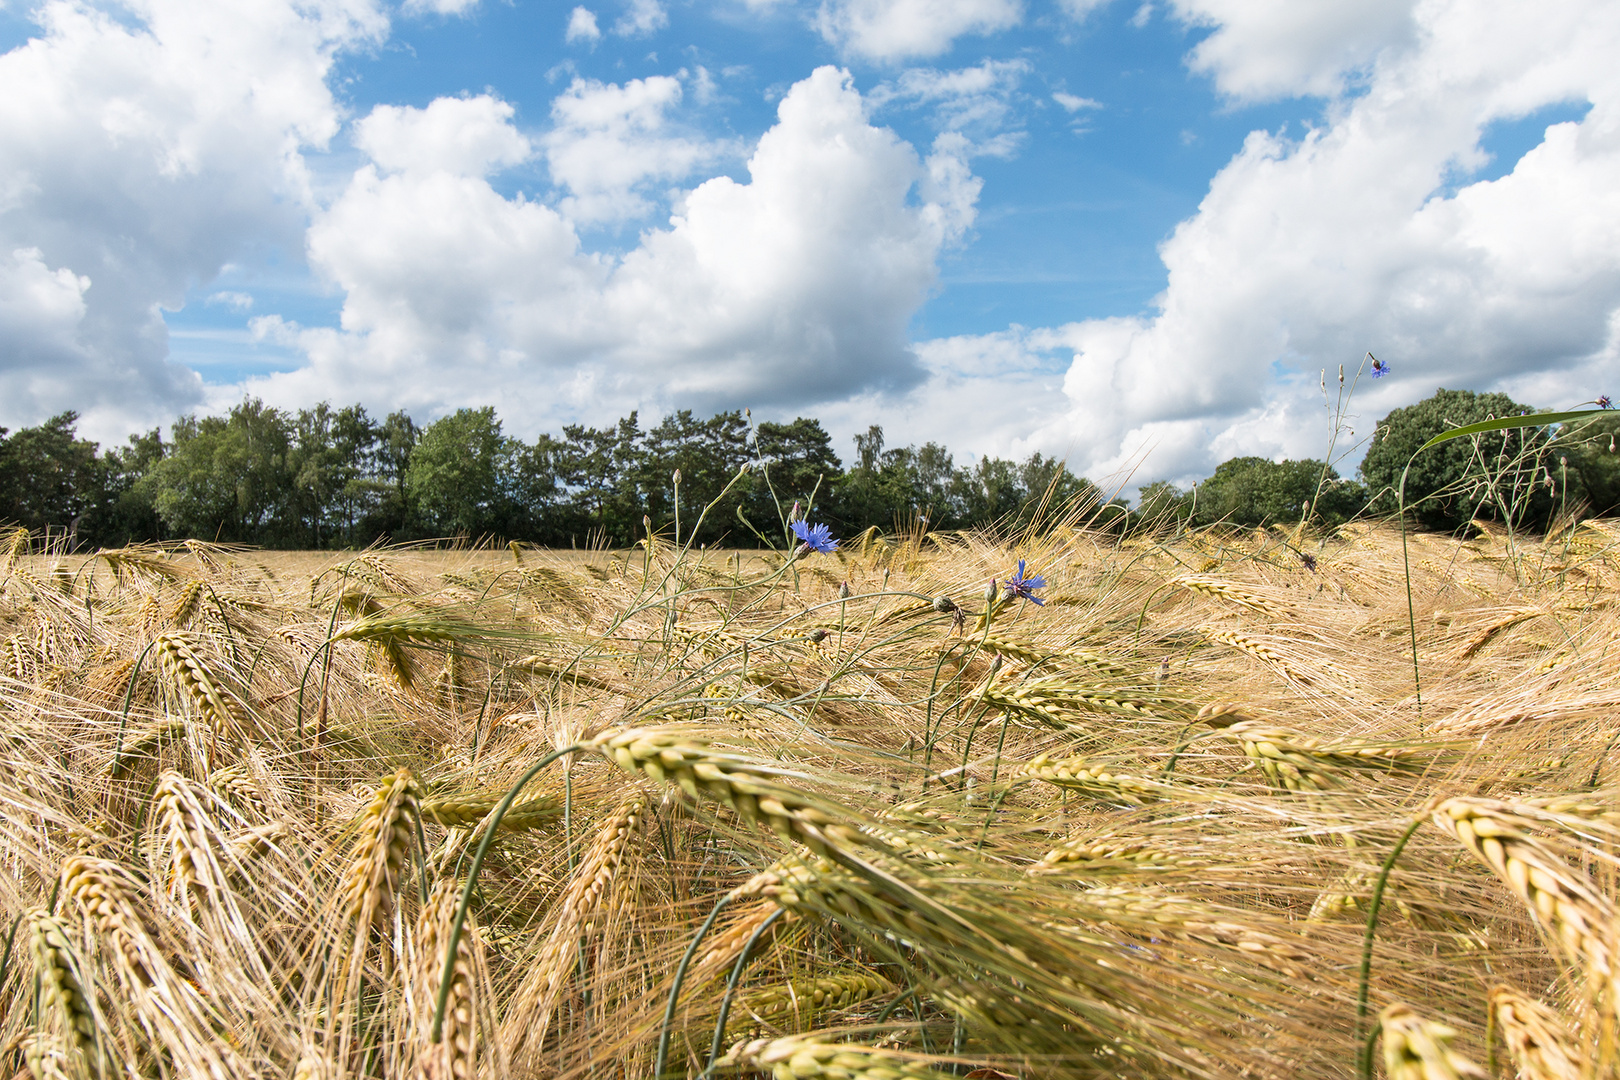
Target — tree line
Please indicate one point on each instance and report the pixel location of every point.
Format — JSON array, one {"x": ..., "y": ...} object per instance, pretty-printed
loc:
[{"x": 327, "y": 477}]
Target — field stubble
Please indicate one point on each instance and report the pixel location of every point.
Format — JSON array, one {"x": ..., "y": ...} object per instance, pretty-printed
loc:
[{"x": 1188, "y": 819}]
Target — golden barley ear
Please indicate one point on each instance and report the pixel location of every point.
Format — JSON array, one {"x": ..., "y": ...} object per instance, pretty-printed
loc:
[
  {"x": 1576, "y": 914},
  {"x": 66, "y": 987},
  {"x": 1419, "y": 1049},
  {"x": 1537, "y": 1038},
  {"x": 455, "y": 1056}
]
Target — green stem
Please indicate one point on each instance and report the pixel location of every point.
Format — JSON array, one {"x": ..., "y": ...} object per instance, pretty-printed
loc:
[
  {"x": 731, "y": 988},
  {"x": 490, "y": 825},
  {"x": 675, "y": 986},
  {"x": 1411, "y": 615},
  {"x": 1367, "y": 942}
]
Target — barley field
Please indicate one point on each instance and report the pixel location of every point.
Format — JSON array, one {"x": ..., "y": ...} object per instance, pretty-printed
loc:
[{"x": 865, "y": 815}]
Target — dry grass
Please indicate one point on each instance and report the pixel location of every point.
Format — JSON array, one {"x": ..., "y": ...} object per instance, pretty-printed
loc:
[{"x": 1140, "y": 832}]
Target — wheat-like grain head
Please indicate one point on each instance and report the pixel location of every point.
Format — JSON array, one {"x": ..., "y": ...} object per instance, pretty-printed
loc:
[
  {"x": 380, "y": 852},
  {"x": 1576, "y": 914},
  {"x": 1419, "y": 1049},
  {"x": 804, "y": 1057},
  {"x": 1536, "y": 1037},
  {"x": 64, "y": 985}
]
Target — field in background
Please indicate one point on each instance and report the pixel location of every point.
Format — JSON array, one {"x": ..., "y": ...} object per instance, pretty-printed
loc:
[{"x": 847, "y": 815}]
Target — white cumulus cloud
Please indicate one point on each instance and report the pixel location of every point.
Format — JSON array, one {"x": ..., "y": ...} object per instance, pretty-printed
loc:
[
  {"x": 1278, "y": 48},
  {"x": 610, "y": 140},
  {"x": 140, "y": 154},
  {"x": 582, "y": 26},
  {"x": 1370, "y": 232},
  {"x": 890, "y": 30},
  {"x": 464, "y": 136},
  {"x": 793, "y": 288}
]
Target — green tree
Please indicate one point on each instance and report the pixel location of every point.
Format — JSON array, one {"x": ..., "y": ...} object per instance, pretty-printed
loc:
[
  {"x": 1163, "y": 507},
  {"x": 51, "y": 478},
  {"x": 796, "y": 463},
  {"x": 1500, "y": 474},
  {"x": 227, "y": 478},
  {"x": 458, "y": 472},
  {"x": 708, "y": 454},
  {"x": 600, "y": 467},
  {"x": 330, "y": 467},
  {"x": 1255, "y": 491},
  {"x": 1587, "y": 455}
]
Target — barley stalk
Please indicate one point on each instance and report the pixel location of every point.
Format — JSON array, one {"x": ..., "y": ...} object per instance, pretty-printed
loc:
[
  {"x": 1225, "y": 590},
  {"x": 185, "y": 608},
  {"x": 1095, "y": 779},
  {"x": 212, "y": 700},
  {"x": 598, "y": 868},
  {"x": 797, "y": 1001},
  {"x": 750, "y": 789},
  {"x": 455, "y": 1055},
  {"x": 380, "y": 851},
  {"x": 460, "y": 812}
]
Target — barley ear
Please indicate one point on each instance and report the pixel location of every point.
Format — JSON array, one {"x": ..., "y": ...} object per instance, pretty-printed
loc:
[
  {"x": 1419, "y": 1049},
  {"x": 1536, "y": 1037},
  {"x": 65, "y": 986}
]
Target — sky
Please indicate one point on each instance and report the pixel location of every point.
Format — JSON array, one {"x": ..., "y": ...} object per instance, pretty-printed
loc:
[{"x": 1130, "y": 234}]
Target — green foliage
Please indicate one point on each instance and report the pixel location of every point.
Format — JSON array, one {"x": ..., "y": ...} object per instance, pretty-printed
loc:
[
  {"x": 1588, "y": 456},
  {"x": 456, "y": 473},
  {"x": 229, "y": 478},
  {"x": 1500, "y": 474},
  {"x": 1253, "y": 491}
]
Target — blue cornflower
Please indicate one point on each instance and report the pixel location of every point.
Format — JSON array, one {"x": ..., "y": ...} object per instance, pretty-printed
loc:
[
  {"x": 815, "y": 537},
  {"x": 1603, "y": 402},
  {"x": 1019, "y": 585},
  {"x": 1379, "y": 368}
]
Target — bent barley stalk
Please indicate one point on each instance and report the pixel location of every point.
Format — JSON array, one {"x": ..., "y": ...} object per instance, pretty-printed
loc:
[
  {"x": 1094, "y": 779},
  {"x": 751, "y": 789},
  {"x": 463, "y": 811},
  {"x": 380, "y": 851},
  {"x": 577, "y": 906},
  {"x": 212, "y": 701},
  {"x": 455, "y": 1055},
  {"x": 798, "y": 1001}
]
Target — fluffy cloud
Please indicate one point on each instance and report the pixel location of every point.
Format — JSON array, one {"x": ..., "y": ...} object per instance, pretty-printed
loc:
[
  {"x": 890, "y": 30},
  {"x": 609, "y": 140},
  {"x": 582, "y": 26},
  {"x": 1370, "y": 233},
  {"x": 643, "y": 17},
  {"x": 139, "y": 155},
  {"x": 1278, "y": 48},
  {"x": 794, "y": 288},
  {"x": 439, "y": 7},
  {"x": 462, "y": 136}
]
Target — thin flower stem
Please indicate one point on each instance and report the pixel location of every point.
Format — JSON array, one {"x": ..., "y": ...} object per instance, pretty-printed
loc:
[{"x": 1367, "y": 941}]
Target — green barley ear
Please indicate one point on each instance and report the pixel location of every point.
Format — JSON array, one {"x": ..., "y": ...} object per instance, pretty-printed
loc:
[
  {"x": 64, "y": 986},
  {"x": 804, "y": 1057}
]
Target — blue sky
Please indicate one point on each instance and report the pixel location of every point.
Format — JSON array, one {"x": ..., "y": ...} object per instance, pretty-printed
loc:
[{"x": 1132, "y": 234}]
